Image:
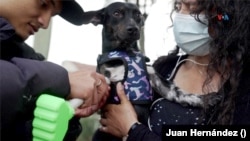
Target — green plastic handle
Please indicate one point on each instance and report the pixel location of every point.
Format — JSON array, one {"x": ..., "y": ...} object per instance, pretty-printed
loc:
[{"x": 52, "y": 115}]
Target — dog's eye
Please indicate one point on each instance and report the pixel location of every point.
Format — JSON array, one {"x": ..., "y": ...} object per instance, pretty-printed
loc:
[
  {"x": 117, "y": 14},
  {"x": 138, "y": 15}
]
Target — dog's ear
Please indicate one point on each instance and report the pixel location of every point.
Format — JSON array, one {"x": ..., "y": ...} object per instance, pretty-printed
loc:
[
  {"x": 94, "y": 17},
  {"x": 143, "y": 20}
]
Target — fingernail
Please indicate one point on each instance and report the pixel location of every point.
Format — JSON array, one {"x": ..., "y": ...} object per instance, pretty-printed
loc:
[
  {"x": 120, "y": 86},
  {"x": 94, "y": 107}
]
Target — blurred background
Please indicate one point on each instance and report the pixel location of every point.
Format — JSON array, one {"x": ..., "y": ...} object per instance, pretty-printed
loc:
[{"x": 64, "y": 41}]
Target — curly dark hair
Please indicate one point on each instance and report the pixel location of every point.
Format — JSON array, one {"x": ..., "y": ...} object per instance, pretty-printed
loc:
[{"x": 229, "y": 26}]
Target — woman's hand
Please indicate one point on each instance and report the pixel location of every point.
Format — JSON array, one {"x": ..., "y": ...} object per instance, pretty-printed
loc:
[
  {"x": 118, "y": 118},
  {"x": 90, "y": 86}
]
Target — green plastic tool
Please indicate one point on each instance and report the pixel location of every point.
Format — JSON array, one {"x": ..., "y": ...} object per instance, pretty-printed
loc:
[{"x": 51, "y": 117}]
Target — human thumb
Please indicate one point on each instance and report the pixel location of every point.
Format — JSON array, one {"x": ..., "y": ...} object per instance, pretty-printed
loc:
[{"x": 120, "y": 92}]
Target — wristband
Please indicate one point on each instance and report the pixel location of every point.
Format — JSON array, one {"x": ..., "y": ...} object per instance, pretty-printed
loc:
[{"x": 133, "y": 127}]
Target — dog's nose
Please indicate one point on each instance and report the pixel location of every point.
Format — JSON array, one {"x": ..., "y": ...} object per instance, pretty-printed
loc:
[{"x": 132, "y": 30}]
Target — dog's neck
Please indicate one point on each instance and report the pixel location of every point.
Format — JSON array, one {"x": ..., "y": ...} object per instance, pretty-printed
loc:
[{"x": 109, "y": 45}]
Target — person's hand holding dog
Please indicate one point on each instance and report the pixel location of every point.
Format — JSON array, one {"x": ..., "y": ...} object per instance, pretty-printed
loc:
[
  {"x": 91, "y": 87},
  {"x": 117, "y": 119}
]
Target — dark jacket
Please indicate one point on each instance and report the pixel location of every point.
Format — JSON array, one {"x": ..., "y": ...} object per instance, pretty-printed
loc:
[
  {"x": 158, "y": 117},
  {"x": 23, "y": 77}
]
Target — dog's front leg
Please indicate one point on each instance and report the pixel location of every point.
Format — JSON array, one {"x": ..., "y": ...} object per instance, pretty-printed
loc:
[{"x": 157, "y": 84}]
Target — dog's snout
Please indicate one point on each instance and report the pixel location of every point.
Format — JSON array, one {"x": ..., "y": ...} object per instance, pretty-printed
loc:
[{"x": 132, "y": 30}]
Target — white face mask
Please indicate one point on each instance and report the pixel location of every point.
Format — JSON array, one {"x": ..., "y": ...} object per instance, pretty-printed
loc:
[{"x": 190, "y": 35}]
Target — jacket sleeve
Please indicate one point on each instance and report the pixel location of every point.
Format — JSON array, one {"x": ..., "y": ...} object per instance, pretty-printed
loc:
[
  {"x": 23, "y": 80},
  {"x": 142, "y": 133}
]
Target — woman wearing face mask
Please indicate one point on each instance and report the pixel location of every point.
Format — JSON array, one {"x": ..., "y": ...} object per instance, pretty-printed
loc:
[{"x": 214, "y": 35}]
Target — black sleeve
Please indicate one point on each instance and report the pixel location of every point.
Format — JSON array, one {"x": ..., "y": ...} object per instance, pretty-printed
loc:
[
  {"x": 22, "y": 81},
  {"x": 142, "y": 133}
]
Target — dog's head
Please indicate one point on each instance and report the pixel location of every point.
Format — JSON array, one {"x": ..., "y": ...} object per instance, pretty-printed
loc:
[{"x": 122, "y": 23}]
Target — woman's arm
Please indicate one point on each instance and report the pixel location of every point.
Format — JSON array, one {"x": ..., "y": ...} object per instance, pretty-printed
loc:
[{"x": 121, "y": 120}]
